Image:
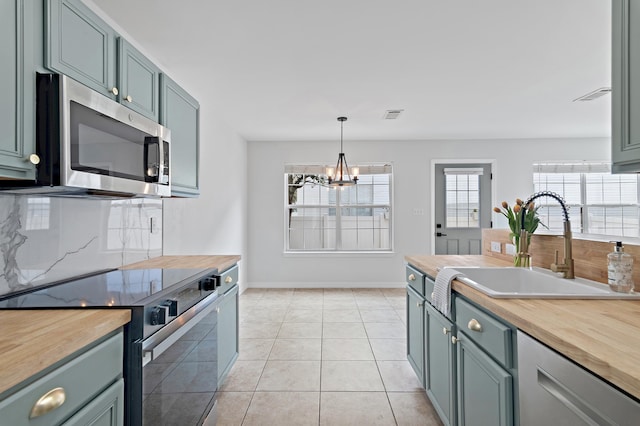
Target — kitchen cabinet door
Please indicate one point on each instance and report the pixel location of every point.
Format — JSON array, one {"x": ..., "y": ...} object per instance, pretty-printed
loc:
[
  {"x": 107, "y": 409},
  {"x": 17, "y": 83},
  {"x": 625, "y": 80},
  {"x": 180, "y": 112},
  {"x": 440, "y": 365},
  {"x": 80, "y": 45},
  {"x": 416, "y": 333},
  {"x": 485, "y": 389},
  {"x": 138, "y": 81},
  {"x": 227, "y": 333}
]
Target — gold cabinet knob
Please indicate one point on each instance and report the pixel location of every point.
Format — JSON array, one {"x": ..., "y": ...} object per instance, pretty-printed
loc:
[
  {"x": 129, "y": 98},
  {"x": 115, "y": 91},
  {"x": 33, "y": 159},
  {"x": 474, "y": 325},
  {"x": 48, "y": 402},
  {"x": 228, "y": 280},
  {"x": 412, "y": 277},
  {"x": 454, "y": 340}
]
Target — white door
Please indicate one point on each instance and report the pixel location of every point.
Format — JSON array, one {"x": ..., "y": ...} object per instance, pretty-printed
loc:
[{"x": 462, "y": 207}]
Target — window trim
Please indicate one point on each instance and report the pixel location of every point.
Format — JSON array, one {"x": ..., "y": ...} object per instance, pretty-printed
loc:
[
  {"x": 582, "y": 209},
  {"x": 372, "y": 168}
]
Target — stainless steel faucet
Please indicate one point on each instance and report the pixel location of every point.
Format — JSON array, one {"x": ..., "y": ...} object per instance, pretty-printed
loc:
[{"x": 567, "y": 267}]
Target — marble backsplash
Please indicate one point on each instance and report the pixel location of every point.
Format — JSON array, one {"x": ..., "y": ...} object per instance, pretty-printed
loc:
[{"x": 48, "y": 239}]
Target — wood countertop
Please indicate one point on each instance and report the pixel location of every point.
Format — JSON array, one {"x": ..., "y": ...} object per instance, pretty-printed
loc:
[
  {"x": 220, "y": 262},
  {"x": 601, "y": 335},
  {"x": 32, "y": 340}
]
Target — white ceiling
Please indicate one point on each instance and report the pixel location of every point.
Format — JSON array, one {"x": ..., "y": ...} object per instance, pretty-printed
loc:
[{"x": 471, "y": 69}]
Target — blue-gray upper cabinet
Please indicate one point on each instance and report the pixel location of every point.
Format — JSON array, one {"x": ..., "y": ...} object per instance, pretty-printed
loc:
[
  {"x": 625, "y": 84},
  {"x": 80, "y": 45},
  {"x": 138, "y": 81},
  {"x": 84, "y": 47},
  {"x": 17, "y": 103},
  {"x": 180, "y": 112}
]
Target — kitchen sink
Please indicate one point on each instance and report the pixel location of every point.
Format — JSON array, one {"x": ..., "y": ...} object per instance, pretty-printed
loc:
[{"x": 517, "y": 283}]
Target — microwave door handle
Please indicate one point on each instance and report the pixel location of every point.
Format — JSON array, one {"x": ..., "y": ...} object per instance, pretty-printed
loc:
[
  {"x": 162, "y": 177},
  {"x": 152, "y": 162}
]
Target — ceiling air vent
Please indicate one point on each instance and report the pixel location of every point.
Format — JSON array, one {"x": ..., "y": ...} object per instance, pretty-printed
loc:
[
  {"x": 594, "y": 95},
  {"x": 392, "y": 114}
]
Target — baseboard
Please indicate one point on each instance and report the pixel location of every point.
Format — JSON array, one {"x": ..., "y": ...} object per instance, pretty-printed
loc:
[{"x": 363, "y": 284}]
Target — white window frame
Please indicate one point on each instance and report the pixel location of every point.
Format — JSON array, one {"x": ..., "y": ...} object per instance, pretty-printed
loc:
[
  {"x": 320, "y": 169},
  {"x": 581, "y": 211}
]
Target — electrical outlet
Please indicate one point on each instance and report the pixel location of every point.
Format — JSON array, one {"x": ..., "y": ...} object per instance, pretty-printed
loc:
[
  {"x": 153, "y": 225},
  {"x": 496, "y": 246},
  {"x": 510, "y": 249}
]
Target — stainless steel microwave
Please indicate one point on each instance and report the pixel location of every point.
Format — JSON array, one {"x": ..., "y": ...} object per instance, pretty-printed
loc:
[{"x": 87, "y": 144}]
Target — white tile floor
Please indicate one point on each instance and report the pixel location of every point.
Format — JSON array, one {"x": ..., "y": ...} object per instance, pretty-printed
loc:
[{"x": 323, "y": 357}]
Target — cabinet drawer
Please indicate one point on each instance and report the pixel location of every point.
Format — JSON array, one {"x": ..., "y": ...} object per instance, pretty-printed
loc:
[
  {"x": 82, "y": 379},
  {"x": 228, "y": 279},
  {"x": 415, "y": 279},
  {"x": 492, "y": 335}
]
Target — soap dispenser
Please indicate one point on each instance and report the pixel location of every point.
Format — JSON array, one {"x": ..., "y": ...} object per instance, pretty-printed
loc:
[{"x": 620, "y": 268}]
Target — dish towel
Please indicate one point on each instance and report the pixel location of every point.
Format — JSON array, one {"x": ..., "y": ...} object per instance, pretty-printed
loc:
[{"x": 442, "y": 289}]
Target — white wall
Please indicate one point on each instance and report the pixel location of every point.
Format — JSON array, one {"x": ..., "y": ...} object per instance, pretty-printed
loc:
[
  {"x": 411, "y": 160},
  {"x": 215, "y": 222}
]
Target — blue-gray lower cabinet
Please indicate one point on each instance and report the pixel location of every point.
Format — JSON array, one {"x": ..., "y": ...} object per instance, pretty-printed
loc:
[
  {"x": 17, "y": 103},
  {"x": 227, "y": 332},
  {"x": 89, "y": 384},
  {"x": 485, "y": 389},
  {"x": 180, "y": 112},
  {"x": 415, "y": 333},
  {"x": 441, "y": 365}
]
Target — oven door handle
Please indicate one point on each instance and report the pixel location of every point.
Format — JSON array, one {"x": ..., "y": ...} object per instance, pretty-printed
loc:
[{"x": 157, "y": 343}]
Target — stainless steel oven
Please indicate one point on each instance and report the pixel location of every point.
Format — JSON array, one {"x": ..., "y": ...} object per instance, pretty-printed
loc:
[{"x": 170, "y": 356}]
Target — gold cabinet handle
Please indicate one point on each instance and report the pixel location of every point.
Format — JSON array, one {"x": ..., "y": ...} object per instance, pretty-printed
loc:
[
  {"x": 48, "y": 402},
  {"x": 115, "y": 91},
  {"x": 129, "y": 98},
  {"x": 33, "y": 159},
  {"x": 412, "y": 277},
  {"x": 228, "y": 280},
  {"x": 474, "y": 325},
  {"x": 454, "y": 340},
  {"x": 445, "y": 330}
]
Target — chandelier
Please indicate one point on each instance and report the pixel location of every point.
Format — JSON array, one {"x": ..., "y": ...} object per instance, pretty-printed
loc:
[{"x": 341, "y": 176}]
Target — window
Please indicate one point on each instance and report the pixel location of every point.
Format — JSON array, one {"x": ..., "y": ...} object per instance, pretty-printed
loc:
[
  {"x": 600, "y": 203},
  {"x": 462, "y": 197},
  {"x": 352, "y": 218}
]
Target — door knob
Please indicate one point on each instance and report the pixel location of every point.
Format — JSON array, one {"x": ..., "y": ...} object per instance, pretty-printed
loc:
[{"x": 440, "y": 234}]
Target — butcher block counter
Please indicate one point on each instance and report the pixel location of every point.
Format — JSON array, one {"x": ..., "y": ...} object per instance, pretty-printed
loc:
[
  {"x": 33, "y": 340},
  {"x": 601, "y": 335},
  {"x": 220, "y": 262}
]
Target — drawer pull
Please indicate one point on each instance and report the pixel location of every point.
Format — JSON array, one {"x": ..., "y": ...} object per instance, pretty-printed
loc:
[
  {"x": 454, "y": 339},
  {"x": 128, "y": 98},
  {"x": 474, "y": 325},
  {"x": 412, "y": 277},
  {"x": 115, "y": 91},
  {"x": 418, "y": 304},
  {"x": 48, "y": 402},
  {"x": 228, "y": 280},
  {"x": 445, "y": 330}
]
